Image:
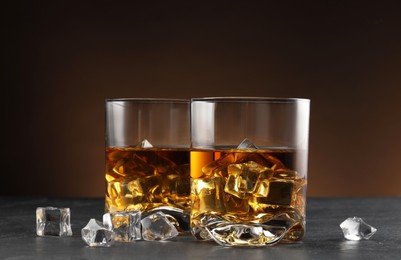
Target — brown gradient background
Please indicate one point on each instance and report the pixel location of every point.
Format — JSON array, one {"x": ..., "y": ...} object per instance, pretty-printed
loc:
[{"x": 61, "y": 59}]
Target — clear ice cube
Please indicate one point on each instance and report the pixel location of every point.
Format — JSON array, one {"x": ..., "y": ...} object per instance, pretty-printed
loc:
[
  {"x": 107, "y": 223},
  {"x": 51, "y": 221},
  {"x": 124, "y": 193},
  {"x": 247, "y": 144},
  {"x": 356, "y": 229},
  {"x": 209, "y": 193},
  {"x": 178, "y": 217},
  {"x": 95, "y": 234},
  {"x": 152, "y": 187},
  {"x": 243, "y": 178},
  {"x": 144, "y": 143},
  {"x": 233, "y": 204},
  {"x": 126, "y": 225},
  {"x": 157, "y": 227}
]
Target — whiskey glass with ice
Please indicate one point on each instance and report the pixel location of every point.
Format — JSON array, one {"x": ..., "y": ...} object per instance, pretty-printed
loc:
[
  {"x": 249, "y": 159},
  {"x": 147, "y": 157}
]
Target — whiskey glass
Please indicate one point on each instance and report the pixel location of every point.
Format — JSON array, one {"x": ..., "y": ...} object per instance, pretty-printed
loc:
[
  {"x": 147, "y": 157},
  {"x": 249, "y": 158}
]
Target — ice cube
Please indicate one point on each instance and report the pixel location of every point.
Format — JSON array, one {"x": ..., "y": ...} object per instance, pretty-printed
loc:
[
  {"x": 209, "y": 193},
  {"x": 144, "y": 143},
  {"x": 247, "y": 144},
  {"x": 234, "y": 204},
  {"x": 176, "y": 187},
  {"x": 177, "y": 216},
  {"x": 132, "y": 167},
  {"x": 107, "y": 223},
  {"x": 152, "y": 187},
  {"x": 242, "y": 178},
  {"x": 279, "y": 193},
  {"x": 125, "y": 224},
  {"x": 177, "y": 181},
  {"x": 95, "y": 234},
  {"x": 356, "y": 229},
  {"x": 52, "y": 221},
  {"x": 123, "y": 194},
  {"x": 157, "y": 227}
]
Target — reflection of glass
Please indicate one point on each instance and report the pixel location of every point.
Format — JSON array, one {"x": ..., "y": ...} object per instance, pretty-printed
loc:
[
  {"x": 249, "y": 169},
  {"x": 147, "y": 155}
]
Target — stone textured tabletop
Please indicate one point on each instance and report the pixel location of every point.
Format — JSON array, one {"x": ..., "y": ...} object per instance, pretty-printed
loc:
[{"x": 323, "y": 240}]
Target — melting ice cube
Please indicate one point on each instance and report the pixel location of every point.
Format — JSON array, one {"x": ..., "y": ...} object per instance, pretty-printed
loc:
[
  {"x": 247, "y": 144},
  {"x": 356, "y": 229},
  {"x": 144, "y": 144},
  {"x": 157, "y": 227},
  {"x": 95, "y": 234},
  {"x": 125, "y": 224},
  {"x": 51, "y": 221}
]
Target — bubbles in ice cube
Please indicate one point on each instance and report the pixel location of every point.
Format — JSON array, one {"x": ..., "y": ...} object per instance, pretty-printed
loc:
[
  {"x": 95, "y": 234},
  {"x": 157, "y": 227},
  {"x": 247, "y": 144},
  {"x": 51, "y": 221},
  {"x": 144, "y": 144},
  {"x": 356, "y": 229}
]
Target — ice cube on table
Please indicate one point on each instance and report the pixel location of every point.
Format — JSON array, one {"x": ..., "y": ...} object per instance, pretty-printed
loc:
[
  {"x": 356, "y": 229},
  {"x": 95, "y": 234},
  {"x": 126, "y": 225},
  {"x": 52, "y": 221},
  {"x": 157, "y": 227}
]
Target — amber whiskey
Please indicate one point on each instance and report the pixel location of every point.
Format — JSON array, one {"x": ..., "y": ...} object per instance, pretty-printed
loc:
[
  {"x": 146, "y": 178},
  {"x": 248, "y": 188}
]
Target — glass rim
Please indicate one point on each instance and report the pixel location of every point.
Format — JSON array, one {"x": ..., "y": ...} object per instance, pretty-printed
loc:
[
  {"x": 148, "y": 100},
  {"x": 250, "y": 99}
]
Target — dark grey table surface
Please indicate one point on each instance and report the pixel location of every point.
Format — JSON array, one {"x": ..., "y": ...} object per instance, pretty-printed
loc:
[{"x": 323, "y": 239}]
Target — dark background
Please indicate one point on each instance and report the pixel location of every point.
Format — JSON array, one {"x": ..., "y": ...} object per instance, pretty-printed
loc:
[{"x": 61, "y": 59}]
